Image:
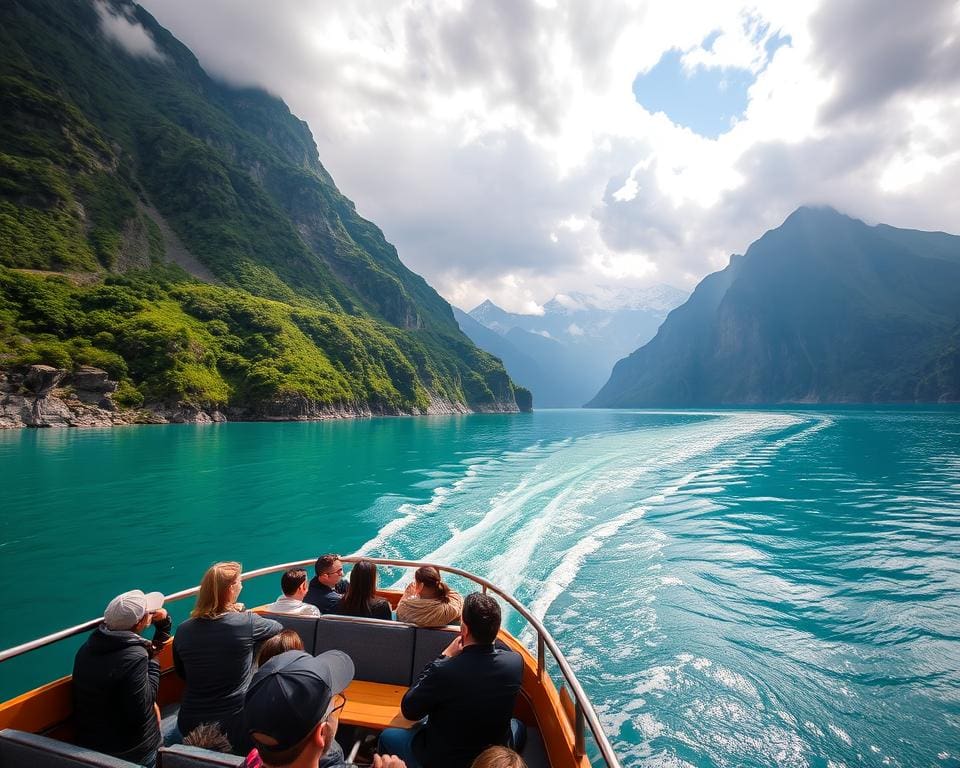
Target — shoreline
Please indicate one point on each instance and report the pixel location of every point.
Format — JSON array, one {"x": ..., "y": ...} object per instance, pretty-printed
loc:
[{"x": 43, "y": 397}]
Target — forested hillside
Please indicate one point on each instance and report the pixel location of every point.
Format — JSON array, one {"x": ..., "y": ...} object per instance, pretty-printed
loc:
[{"x": 184, "y": 236}]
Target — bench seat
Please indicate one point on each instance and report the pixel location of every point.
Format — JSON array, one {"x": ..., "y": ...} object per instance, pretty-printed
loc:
[
  {"x": 19, "y": 748},
  {"x": 185, "y": 756},
  {"x": 374, "y": 705},
  {"x": 391, "y": 652},
  {"x": 389, "y": 657}
]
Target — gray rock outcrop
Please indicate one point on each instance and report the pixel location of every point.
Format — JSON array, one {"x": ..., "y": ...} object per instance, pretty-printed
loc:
[{"x": 44, "y": 396}]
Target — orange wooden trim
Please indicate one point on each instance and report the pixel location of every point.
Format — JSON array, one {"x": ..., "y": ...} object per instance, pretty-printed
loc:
[
  {"x": 392, "y": 596},
  {"x": 568, "y": 706},
  {"x": 374, "y": 705},
  {"x": 49, "y": 708},
  {"x": 555, "y": 728},
  {"x": 38, "y": 710}
]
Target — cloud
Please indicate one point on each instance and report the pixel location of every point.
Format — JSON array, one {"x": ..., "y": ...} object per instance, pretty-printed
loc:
[
  {"x": 877, "y": 49},
  {"x": 499, "y": 145},
  {"x": 125, "y": 30}
]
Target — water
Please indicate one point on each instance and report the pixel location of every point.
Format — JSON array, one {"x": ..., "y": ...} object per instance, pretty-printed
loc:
[{"x": 733, "y": 588}]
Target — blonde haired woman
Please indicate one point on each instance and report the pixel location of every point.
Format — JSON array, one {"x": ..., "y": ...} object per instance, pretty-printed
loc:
[
  {"x": 428, "y": 601},
  {"x": 213, "y": 653},
  {"x": 498, "y": 757}
]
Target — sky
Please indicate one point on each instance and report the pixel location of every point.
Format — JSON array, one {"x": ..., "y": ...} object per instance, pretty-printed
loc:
[{"x": 516, "y": 149}]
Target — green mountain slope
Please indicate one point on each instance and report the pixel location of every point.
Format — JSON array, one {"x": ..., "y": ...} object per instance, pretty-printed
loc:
[
  {"x": 118, "y": 172},
  {"x": 824, "y": 309}
]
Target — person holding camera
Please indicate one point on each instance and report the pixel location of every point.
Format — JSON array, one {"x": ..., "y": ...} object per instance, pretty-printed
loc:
[{"x": 116, "y": 679}]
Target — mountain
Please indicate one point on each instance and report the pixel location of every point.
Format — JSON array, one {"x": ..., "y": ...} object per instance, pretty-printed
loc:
[
  {"x": 574, "y": 343},
  {"x": 823, "y": 309},
  {"x": 521, "y": 366},
  {"x": 183, "y": 235}
]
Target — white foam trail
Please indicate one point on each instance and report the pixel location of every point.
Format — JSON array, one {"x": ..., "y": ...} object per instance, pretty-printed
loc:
[
  {"x": 413, "y": 512},
  {"x": 686, "y": 449},
  {"x": 563, "y": 575},
  {"x": 618, "y": 450},
  {"x": 561, "y": 512},
  {"x": 502, "y": 507},
  {"x": 823, "y": 422}
]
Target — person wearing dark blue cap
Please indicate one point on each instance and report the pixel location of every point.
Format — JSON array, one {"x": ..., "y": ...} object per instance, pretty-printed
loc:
[{"x": 291, "y": 710}]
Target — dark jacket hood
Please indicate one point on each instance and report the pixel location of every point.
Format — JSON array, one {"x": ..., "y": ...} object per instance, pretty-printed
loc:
[{"x": 104, "y": 640}]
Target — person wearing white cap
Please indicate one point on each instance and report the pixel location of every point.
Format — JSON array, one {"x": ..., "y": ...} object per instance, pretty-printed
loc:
[{"x": 115, "y": 679}]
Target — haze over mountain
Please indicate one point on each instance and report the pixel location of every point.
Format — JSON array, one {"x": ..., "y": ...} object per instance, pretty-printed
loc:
[
  {"x": 823, "y": 309},
  {"x": 184, "y": 235},
  {"x": 566, "y": 353}
]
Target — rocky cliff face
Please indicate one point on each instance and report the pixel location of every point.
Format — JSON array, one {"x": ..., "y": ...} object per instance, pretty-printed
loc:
[
  {"x": 823, "y": 309},
  {"x": 121, "y": 171},
  {"x": 44, "y": 396}
]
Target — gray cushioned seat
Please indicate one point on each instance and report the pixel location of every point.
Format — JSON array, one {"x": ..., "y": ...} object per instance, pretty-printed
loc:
[
  {"x": 184, "y": 756},
  {"x": 534, "y": 752},
  {"x": 305, "y": 626},
  {"x": 382, "y": 651},
  {"x": 429, "y": 644},
  {"x": 18, "y": 748}
]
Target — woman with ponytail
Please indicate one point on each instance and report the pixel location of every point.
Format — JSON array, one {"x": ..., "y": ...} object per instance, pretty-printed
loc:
[{"x": 428, "y": 601}]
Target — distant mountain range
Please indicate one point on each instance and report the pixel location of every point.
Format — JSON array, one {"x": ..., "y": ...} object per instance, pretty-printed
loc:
[
  {"x": 823, "y": 309},
  {"x": 565, "y": 354}
]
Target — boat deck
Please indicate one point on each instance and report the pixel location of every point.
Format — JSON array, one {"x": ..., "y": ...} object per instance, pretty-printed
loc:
[{"x": 388, "y": 657}]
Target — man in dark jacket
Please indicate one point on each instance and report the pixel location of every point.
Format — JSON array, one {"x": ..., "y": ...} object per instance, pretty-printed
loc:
[
  {"x": 328, "y": 585},
  {"x": 115, "y": 679},
  {"x": 468, "y": 695}
]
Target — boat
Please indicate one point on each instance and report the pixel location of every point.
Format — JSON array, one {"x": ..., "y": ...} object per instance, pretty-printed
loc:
[{"x": 35, "y": 727}]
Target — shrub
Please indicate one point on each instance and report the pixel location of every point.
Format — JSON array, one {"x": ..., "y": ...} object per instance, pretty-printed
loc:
[
  {"x": 55, "y": 353},
  {"x": 127, "y": 395}
]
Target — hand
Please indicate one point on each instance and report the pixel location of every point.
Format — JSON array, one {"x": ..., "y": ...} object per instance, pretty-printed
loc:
[
  {"x": 454, "y": 648},
  {"x": 160, "y": 614},
  {"x": 388, "y": 761},
  {"x": 411, "y": 589}
]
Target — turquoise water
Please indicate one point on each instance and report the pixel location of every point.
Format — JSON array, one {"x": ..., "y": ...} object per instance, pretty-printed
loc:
[{"x": 733, "y": 588}]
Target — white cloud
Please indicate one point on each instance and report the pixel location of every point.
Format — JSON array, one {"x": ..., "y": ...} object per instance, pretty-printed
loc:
[
  {"x": 499, "y": 146},
  {"x": 568, "y": 302},
  {"x": 740, "y": 47},
  {"x": 126, "y": 31}
]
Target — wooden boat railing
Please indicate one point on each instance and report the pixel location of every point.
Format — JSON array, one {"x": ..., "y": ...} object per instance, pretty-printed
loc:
[{"x": 583, "y": 715}]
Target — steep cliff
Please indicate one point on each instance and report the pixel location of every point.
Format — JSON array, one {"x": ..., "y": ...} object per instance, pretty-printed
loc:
[
  {"x": 823, "y": 309},
  {"x": 184, "y": 235}
]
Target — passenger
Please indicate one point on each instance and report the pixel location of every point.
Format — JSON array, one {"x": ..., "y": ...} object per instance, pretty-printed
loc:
[
  {"x": 116, "y": 678},
  {"x": 213, "y": 653},
  {"x": 294, "y": 586},
  {"x": 288, "y": 640},
  {"x": 208, "y": 736},
  {"x": 498, "y": 757},
  {"x": 467, "y": 694},
  {"x": 292, "y": 710},
  {"x": 361, "y": 598},
  {"x": 328, "y": 585},
  {"x": 428, "y": 601}
]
